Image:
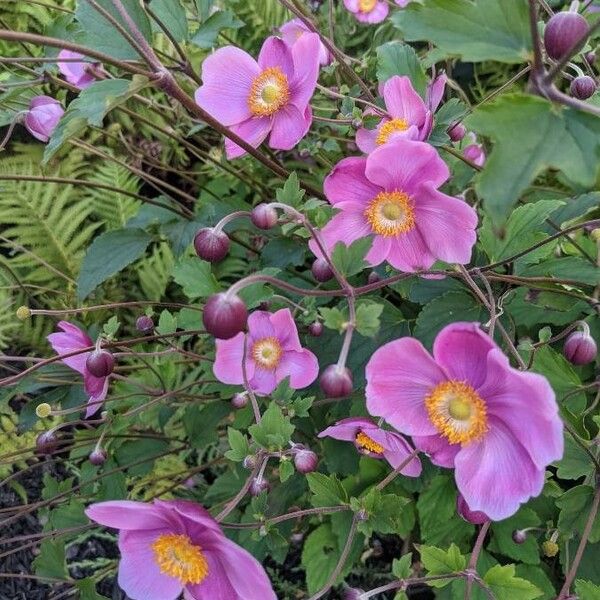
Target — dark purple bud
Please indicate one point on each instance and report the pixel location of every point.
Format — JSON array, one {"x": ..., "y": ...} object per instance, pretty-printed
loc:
[
  {"x": 315, "y": 329},
  {"x": 100, "y": 363},
  {"x": 583, "y": 87},
  {"x": 519, "y": 536},
  {"x": 336, "y": 382},
  {"x": 239, "y": 400},
  {"x": 305, "y": 460},
  {"x": 264, "y": 216},
  {"x": 352, "y": 594},
  {"x": 258, "y": 485},
  {"x": 211, "y": 245},
  {"x": 357, "y": 123},
  {"x": 562, "y": 33},
  {"x": 249, "y": 462},
  {"x": 144, "y": 324},
  {"x": 98, "y": 456},
  {"x": 321, "y": 270},
  {"x": 457, "y": 132},
  {"x": 46, "y": 442},
  {"x": 471, "y": 516},
  {"x": 373, "y": 277},
  {"x": 580, "y": 348},
  {"x": 224, "y": 316},
  {"x": 591, "y": 57}
]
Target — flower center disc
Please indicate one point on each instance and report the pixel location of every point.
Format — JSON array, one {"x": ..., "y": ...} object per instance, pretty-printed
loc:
[
  {"x": 267, "y": 352},
  {"x": 366, "y": 6},
  {"x": 364, "y": 441},
  {"x": 269, "y": 92},
  {"x": 390, "y": 127},
  {"x": 457, "y": 411},
  {"x": 178, "y": 557},
  {"x": 390, "y": 213}
]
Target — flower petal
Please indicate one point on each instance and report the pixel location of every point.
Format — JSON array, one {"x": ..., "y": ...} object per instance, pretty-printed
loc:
[
  {"x": 96, "y": 388},
  {"x": 409, "y": 252},
  {"x": 366, "y": 139},
  {"x": 379, "y": 251},
  {"x": 126, "y": 514},
  {"x": 346, "y": 430},
  {"x": 260, "y": 326},
  {"x": 263, "y": 382},
  {"x": 397, "y": 450},
  {"x": 435, "y": 91},
  {"x": 301, "y": 367},
  {"x": 306, "y": 53},
  {"x": 347, "y": 181},
  {"x": 439, "y": 450},
  {"x": 276, "y": 53},
  {"x": 228, "y": 360},
  {"x": 403, "y": 102},
  {"x": 253, "y": 131},
  {"x": 285, "y": 329},
  {"x": 289, "y": 127}
]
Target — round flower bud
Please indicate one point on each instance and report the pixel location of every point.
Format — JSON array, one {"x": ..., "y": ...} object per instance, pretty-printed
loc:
[
  {"x": 315, "y": 329},
  {"x": 46, "y": 442},
  {"x": 100, "y": 363},
  {"x": 305, "y": 460},
  {"x": 457, "y": 132},
  {"x": 258, "y": 485},
  {"x": 373, "y": 277},
  {"x": 211, "y": 245},
  {"x": 562, "y": 32},
  {"x": 362, "y": 515},
  {"x": 239, "y": 400},
  {"x": 304, "y": 153},
  {"x": 352, "y": 594},
  {"x": 519, "y": 536},
  {"x": 97, "y": 456},
  {"x": 550, "y": 548},
  {"x": 471, "y": 516},
  {"x": 583, "y": 87},
  {"x": 590, "y": 57},
  {"x": 336, "y": 382},
  {"x": 321, "y": 270},
  {"x": 23, "y": 313},
  {"x": 264, "y": 216},
  {"x": 144, "y": 324},
  {"x": 190, "y": 483},
  {"x": 43, "y": 410},
  {"x": 580, "y": 348},
  {"x": 249, "y": 461},
  {"x": 357, "y": 123},
  {"x": 224, "y": 316}
]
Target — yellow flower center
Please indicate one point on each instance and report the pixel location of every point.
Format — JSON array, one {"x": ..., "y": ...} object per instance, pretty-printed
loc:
[
  {"x": 267, "y": 352},
  {"x": 388, "y": 128},
  {"x": 178, "y": 557},
  {"x": 390, "y": 213},
  {"x": 269, "y": 92},
  {"x": 364, "y": 441},
  {"x": 457, "y": 411},
  {"x": 366, "y": 6}
]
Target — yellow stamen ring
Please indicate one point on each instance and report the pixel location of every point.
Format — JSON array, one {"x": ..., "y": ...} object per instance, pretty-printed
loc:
[
  {"x": 366, "y": 6},
  {"x": 178, "y": 557},
  {"x": 388, "y": 128},
  {"x": 267, "y": 352},
  {"x": 457, "y": 411},
  {"x": 364, "y": 441},
  {"x": 390, "y": 213},
  {"x": 269, "y": 92}
]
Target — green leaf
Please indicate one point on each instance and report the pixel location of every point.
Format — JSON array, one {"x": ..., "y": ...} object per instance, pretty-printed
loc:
[
  {"x": 327, "y": 490},
  {"x": 90, "y": 108},
  {"x": 385, "y": 513},
  {"x": 367, "y": 318},
  {"x": 350, "y": 260},
  {"x": 575, "y": 505},
  {"x": 195, "y": 277},
  {"x": 238, "y": 444},
  {"x": 334, "y": 318},
  {"x": 207, "y": 33},
  {"x": 396, "y": 58},
  {"x": 87, "y": 590},
  {"x": 172, "y": 15},
  {"x": 51, "y": 562},
  {"x": 502, "y": 541},
  {"x": 586, "y": 590},
  {"x": 286, "y": 470},
  {"x": 141, "y": 453},
  {"x": 506, "y": 586},
  {"x": 201, "y": 422},
  {"x": 474, "y": 30},
  {"x": 576, "y": 462},
  {"x": 167, "y": 323},
  {"x": 440, "y": 562},
  {"x": 282, "y": 252},
  {"x": 566, "y": 267},
  {"x": 290, "y": 193},
  {"x": 319, "y": 556},
  {"x": 532, "y": 135},
  {"x": 108, "y": 254},
  {"x": 274, "y": 430},
  {"x": 402, "y": 567}
]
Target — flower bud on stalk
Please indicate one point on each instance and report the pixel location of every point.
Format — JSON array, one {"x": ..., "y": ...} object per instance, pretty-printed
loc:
[
  {"x": 240, "y": 400},
  {"x": 224, "y": 316},
  {"x": 373, "y": 277},
  {"x": 457, "y": 132},
  {"x": 315, "y": 329},
  {"x": 321, "y": 270},
  {"x": 249, "y": 461},
  {"x": 145, "y": 324},
  {"x": 46, "y": 443},
  {"x": 562, "y": 32},
  {"x": 211, "y": 244},
  {"x": 550, "y": 548},
  {"x": 258, "y": 485},
  {"x": 305, "y": 460},
  {"x": 583, "y": 87},
  {"x": 580, "y": 347},
  {"x": 519, "y": 536},
  {"x": 43, "y": 410},
  {"x": 264, "y": 216},
  {"x": 23, "y": 313},
  {"x": 591, "y": 57},
  {"x": 352, "y": 594},
  {"x": 100, "y": 363},
  {"x": 336, "y": 382},
  {"x": 98, "y": 456}
]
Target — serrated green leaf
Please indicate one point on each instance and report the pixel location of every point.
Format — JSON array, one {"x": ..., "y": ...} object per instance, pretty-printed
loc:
[
  {"x": 402, "y": 567},
  {"x": 576, "y": 462},
  {"x": 195, "y": 277},
  {"x": 51, "y": 562},
  {"x": 206, "y": 35},
  {"x": 238, "y": 444},
  {"x": 274, "y": 430},
  {"x": 575, "y": 505},
  {"x": 327, "y": 490},
  {"x": 440, "y": 562},
  {"x": 506, "y": 586},
  {"x": 367, "y": 318},
  {"x": 319, "y": 557},
  {"x": 350, "y": 260},
  {"x": 396, "y": 58},
  {"x": 586, "y": 590},
  {"x": 172, "y": 15},
  {"x": 290, "y": 193}
]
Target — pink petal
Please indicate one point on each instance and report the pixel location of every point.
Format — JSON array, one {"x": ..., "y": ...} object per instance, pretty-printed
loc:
[
  {"x": 228, "y": 360},
  {"x": 75, "y": 72},
  {"x": 403, "y": 102},
  {"x": 253, "y": 131},
  {"x": 285, "y": 329},
  {"x": 260, "y": 326},
  {"x": 263, "y": 381},
  {"x": 347, "y": 429},
  {"x": 397, "y": 450},
  {"x": 126, "y": 514},
  {"x": 96, "y": 388},
  {"x": 409, "y": 252},
  {"x": 379, "y": 250},
  {"x": 276, "y": 53},
  {"x": 366, "y": 139},
  {"x": 347, "y": 181},
  {"x": 305, "y": 53},
  {"x": 302, "y": 368},
  {"x": 351, "y": 5},
  {"x": 447, "y": 224},
  {"x": 227, "y": 77},
  {"x": 439, "y": 450},
  {"x": 71, "y": 339},
  {"x": 190, "y": 511},
  {"x": 216, "y": 585},
  {"x": 400, "y": 375},
  {"x": 289, "y": 127},
  {"x": 435, "y": 91},
  {"x": 496, "y": 475}
]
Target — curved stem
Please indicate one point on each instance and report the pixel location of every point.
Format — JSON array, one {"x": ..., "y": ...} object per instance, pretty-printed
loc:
[{"x": 472, "y": 568}]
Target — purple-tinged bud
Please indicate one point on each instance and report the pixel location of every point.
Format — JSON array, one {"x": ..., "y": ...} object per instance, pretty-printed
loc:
[
  {"x": 46, "y": 443},
  {"x": 590, "y": 57},
  {"x": 145, "y": 324},
  {"x": 357, "y": 123},
  {"x": 583, "y": 87},
  {"x": 100, "y": 363},
  {"x": 224, "y": 316},
  {"x": 519, "y": 536},
  {"x": 42, "y": 117},
  {"x": 249, "y": 461},
  {"x": 362, "y": 515},
  {"x": 98, "y": 456},
  {"x": 562, "y": 32},
  {"x": 264, "y": 216},
  {"x": 374, "y": 277},
  {"x": 336, "y": 382},
  {"x": 304, "y": 153},
  {"x": 190, "y": 483},
  {"x": 475, "y": 153},
  {"x": 321, "y": 270},
  {"x": 352, "y": 594},
  {"x": 211, "y": 245},
  {"x": 475, "y": 517},
  {"x": 239, "y": 400},
  {"x": 580, "y": 348},
  {"x": 305, "y": 460},
  {"x": 258, "y": 485},
  {"x": 457, "y": 132},
  {"x": 315, "y": 329}
]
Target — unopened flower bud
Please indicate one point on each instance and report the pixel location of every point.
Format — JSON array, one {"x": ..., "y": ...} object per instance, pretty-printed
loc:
[
  {"x": 357, "y": 123},
  {"x": 550, "y": 548},
  {"x": 457, "y": 132},
  {"x": 336, "y": 382},
  {"x": 562, "y": 33},
  {"x": 362, "y": 515},
  {"x": 42, "y": 117},
  {"x": 305, "y": 460},
  {"x": 519, "y": 536},
  {"x": 211, "y": 245},
  {"x": 224, "y": 316},
  {"x": 43, "y": 410},
  {"x": 23, "y": 313},
  {"x": 145, "y": 324},
  {"x": 352, "y": 594},
  {"x": 240, "y": 400},
  {"x": 264, "y": 216},
  {"x": 97, "y": 456},
  {"x": 258, "y": 486},
  {"x": 475, "y": 517},
  {"x": 304, "y": 153},
  {"x": 373, "y": 277},
  {"x": 580, "y": 348},
  {"x": 249, "y": 462},
  {"x": 46, "y": 442},
  {"x": 321, "y": 270},
  {"x": 315, "y": 329},
  {"x": 100, "y": 363},
  {"x": 583, "y": 87},
  {"x": 591, "y": 57}
]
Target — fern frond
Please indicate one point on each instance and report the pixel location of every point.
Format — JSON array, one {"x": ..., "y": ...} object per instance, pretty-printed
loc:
[{"x": 154, "y": 273}]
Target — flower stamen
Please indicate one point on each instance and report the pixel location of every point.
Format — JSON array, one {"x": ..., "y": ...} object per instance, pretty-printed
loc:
[
  {"x": 364, "y": 441},
  {"x": 178, "y": 557},
  {"x": 390, "y": 213},
  {"x": 269, "y": 92},
  {"x": 366, "y": 6},
  {"x": 388, "y": 128},
  {"x": 267, "y": 352}
]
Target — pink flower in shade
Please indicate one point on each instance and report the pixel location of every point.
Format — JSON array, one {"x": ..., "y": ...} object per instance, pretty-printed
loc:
[
  {"x": 293, "y": 30},
  {"x": 273, "y": 352},
  {"x": 42, "y": 117},
  {"x": 368, "y": 11},
  {"x": 69, "y": 340},
  {"x": 469, "y": 409},
  {"x": 175, "y": 545},
  {"x": 475, "y": 153},
  {"x": 375, "y": 442},
  {"x": 392, "y": 195},
  {"x": 76, "y": 73},
  {"x": 255, "y": 98}
]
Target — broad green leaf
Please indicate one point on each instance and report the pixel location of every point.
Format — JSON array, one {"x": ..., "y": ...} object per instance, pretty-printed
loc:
[
  {"x": 402, "y": 567},
  {"x": 141, "y": 453},
  {"x": 539, "y": 578},
  {"x": 327, "y": 490},
  {"x": 319, "y": 556},
  {"x": 107, "y": 255},
  {"x": 575, "y": 505},
  {"x": 334, "y": 318},
  {"x": 566, "y": 267},
  {"x": 87, "y": 590},
  {"x": 167, "y": 323},
  {"x": 291, "y": 193},
  {"x": 283, "y": 252},
  {"x": 286, "y": 469},
  {"x": 51, "y": 562},
  {"x": 384, "y": 513},
  {"x": 506, "y": 586},
  {"x": 350, "y": 260},
  {"x": 440, "y": 562},
  {"x": 201, "y": 422},
  {"x": 238, "y": 444},
  {"x": 367, "y": 318},
  {"x": 576, "y": 462},
  {"x": 206, "y": 35},
  {"x": 396, "y": 58},
  {"x": 195, "y": 277},
  {"x": 274, "y": 430},
  {"x": 503, "y": 543},
  {"x": 172, "y": 15},
  {"x": 586, "y": 590}
]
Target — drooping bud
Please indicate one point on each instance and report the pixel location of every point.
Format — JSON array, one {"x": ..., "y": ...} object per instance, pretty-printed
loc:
[
  {"x": 249, "y": 461},
  {"x": 374, "y": 277},
  {"x": 305, "y": 460},
  {"x": 315, "y": 329},
  {"x": 457, "y": 132},
  {"x": 580, "y": 348},
  {"x": 43, "y": 410},
  {"x": 211, "y": 245},
  {"x": 264, "y": 216},
  {"x": 562, "y": 32},
  {"x": 100, "y": 363},
  {"x": 336, "y": 382},
  {"x": 321, "y": 270},
  {"x": 352, "y": 594},
  {"x": 224, "y": 316},
  {"x": 475, "y": 517},
  {"x": 583, "y": 87},
  {"x": 46, "y": 442},
  {"x": 590, "y": 57},
  {"x": 97, "y": 456},
  {"x": 519, "y": 536},
  {"x": 42, "y": 117},
  {"x": 357, "y": 123},
  {"x": 550, "y": 548},
  {"x": 145, "y": 324},
  {"x": 23, "y": 313},
  {"x": 240, "y": 400},
  {"x": 258, "y": 485}
]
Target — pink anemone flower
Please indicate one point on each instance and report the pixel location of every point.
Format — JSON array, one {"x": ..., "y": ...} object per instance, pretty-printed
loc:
[
  {"x": 368, "y": 11},
  {"x": 375, "y": 442},
  {"x": 42, "y": 117},
  {"x": 175, "y": 545},
  {"x": 273, "y": 352},
  {"x": 469, "y": 409},
  {"x": 255, "y": 98},
  {"x": 78, "y": 74},
  {"x": 69, "y": 340},
  {"x": 293, "y": 30},
  {"x": 392, "y": 195}
]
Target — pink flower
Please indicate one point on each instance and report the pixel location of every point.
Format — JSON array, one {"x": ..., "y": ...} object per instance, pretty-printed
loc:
[
  {"x": 293, "y": 30},
  {"x": 42, "y": 117},
  {"x": 175, "y": 545},
  {"x": 469, "y": 409},
  {"x": 273, "y": 352},
  {"x": 368, "y": 11},
  {"x": 255, "y": 98},
  {"x": 71, "y": 339},
  {"x": 392, "y": 195},
  {"x": 475, "y": 153},
  {"x": 375, "y": 442},
  {"x": 76, "y": 73}
]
